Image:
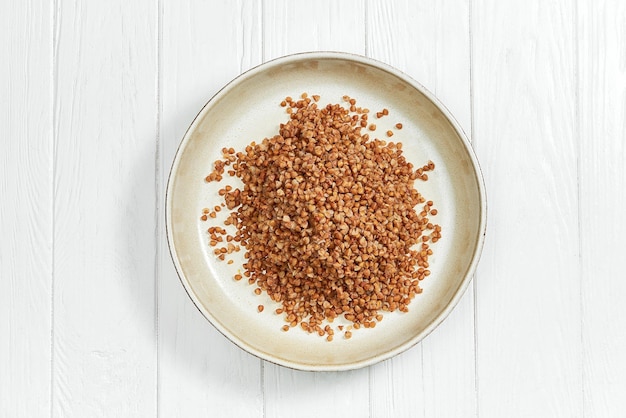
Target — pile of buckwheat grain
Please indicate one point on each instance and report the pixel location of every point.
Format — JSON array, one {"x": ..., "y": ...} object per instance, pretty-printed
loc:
[{"x": 330, "y": 220}]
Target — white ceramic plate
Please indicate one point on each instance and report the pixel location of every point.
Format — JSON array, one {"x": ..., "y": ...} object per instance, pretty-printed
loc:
[{"x": 248, "y": 110}]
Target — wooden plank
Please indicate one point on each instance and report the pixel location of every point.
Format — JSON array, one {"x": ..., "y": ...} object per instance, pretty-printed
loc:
[
  {"x": 104, "y": 208},
  {"x": 204, "y": 45},
  {"x": 528, "y": 293},
  {"x": 430, "y": 42},
  {"x": 291, "y": 27},
  {"x": 300, "y": 26},
  {"x": 25, "y": 216},
  {"x": 602, "y": 110}
]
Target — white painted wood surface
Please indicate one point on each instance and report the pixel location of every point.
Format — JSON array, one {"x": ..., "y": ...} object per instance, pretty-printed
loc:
[
  {"x": 26, "y": 211},
  {"x": 103, "y": 348},
  {"x": 528, "y": 289},
  {"x": 203, "y": 46},
  {"x": 94, "y": 100}
]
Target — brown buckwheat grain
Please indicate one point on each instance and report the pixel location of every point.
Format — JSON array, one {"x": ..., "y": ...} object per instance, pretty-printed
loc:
[{"x": 330, "y": 220}]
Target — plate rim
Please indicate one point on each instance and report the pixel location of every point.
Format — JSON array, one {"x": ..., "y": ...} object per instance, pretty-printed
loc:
[{"x": 459, "y": 292}]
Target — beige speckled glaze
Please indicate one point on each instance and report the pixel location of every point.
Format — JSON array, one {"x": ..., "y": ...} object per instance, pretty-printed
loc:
[{"x": 247, "y": 110}]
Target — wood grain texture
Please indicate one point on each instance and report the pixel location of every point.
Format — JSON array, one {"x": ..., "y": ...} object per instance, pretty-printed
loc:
[
  {"x": 528, "y": 288},
  {"x": 105, "y": 112},
  {"x": 602, "y": 162},
  {"x": 300, "y": 26},
  {"x": 25, "y": 216},
  {"x": 423, "y": 380},
  {"x": 95, "y": 98},
  {"x": 204, "y": 45},
  {"x": 291, "y": 27}
]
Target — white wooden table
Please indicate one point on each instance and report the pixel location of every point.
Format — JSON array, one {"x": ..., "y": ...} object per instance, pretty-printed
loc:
[{"x": 96, "y": 95}]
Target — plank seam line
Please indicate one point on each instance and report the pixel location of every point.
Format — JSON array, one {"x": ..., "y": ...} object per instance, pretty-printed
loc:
[
  {"x": 366, "y": 31},
  {"x": 263, "y": 31},
  {"x": 158, "y": 205},
  {"x": 53, "y": 141},
  {"x": 578, "y": 198},
  {"x": 473, "y": 142}
]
